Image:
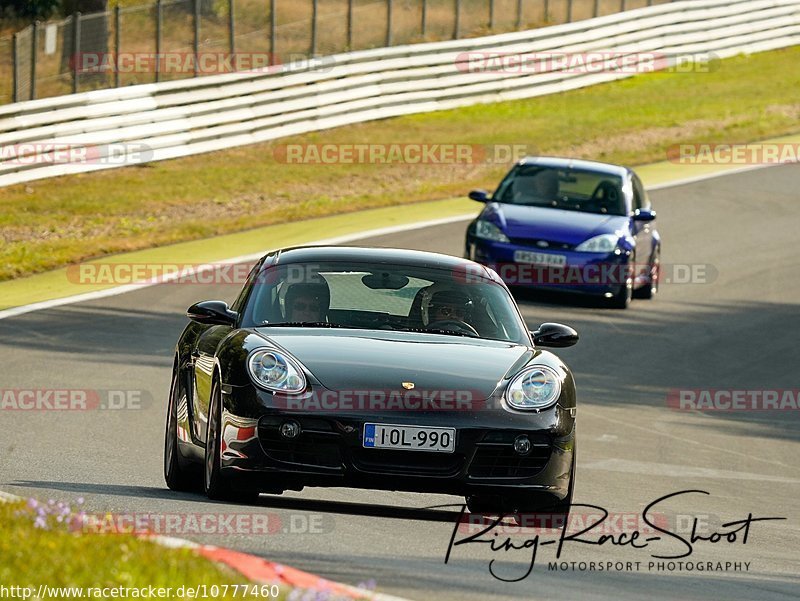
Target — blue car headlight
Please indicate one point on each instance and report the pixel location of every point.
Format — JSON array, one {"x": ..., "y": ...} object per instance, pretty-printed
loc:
[
  {"x": 604, "y": 243},
  {"x": 537, "y": 387},
  {"x": 489, "y": 231},
  {"x": 276, "y": 371}
]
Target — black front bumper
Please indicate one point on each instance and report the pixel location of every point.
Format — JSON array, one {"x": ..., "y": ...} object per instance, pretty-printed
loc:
[{"x": 329, "y": 452}]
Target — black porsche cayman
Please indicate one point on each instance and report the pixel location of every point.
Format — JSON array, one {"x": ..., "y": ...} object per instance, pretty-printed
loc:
[{"x": 372, "y": 368}]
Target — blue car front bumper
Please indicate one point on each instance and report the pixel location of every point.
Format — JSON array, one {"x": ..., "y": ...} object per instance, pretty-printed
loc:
[{"x": 600, "y": 274}]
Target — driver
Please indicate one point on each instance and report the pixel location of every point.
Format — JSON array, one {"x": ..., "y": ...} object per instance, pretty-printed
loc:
[
  {"x": 450, "y": 305},
  {"x": 307, "y": 302}
]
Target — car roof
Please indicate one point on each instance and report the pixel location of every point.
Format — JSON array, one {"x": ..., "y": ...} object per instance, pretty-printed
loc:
[
  {"x": 388, "y": 256},
  {"x": 567, "y": 163}
]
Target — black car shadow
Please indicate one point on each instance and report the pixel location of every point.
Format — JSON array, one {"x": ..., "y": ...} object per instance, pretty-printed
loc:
[{"x": 438, "y": 513}]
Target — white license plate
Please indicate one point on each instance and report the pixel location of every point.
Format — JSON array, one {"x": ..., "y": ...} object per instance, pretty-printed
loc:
[
  {"x": 409, "y": 438},
  {"x": 526, "y": 256}
]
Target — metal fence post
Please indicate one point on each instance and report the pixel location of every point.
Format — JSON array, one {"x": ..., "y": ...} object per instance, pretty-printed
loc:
[
  {"x": 314, "y": 9},
  {"x": 424, "y": 24},
  {"x": 15, "y": 61},
  {"x": 596, "y": 11},
  {"x": 546, "y": 10},
  {"x": 349, "y": 24},
  {"x": 388, "y": 23},
  {"x": 457, "y": 25},
  {"x": 196, "y": 37},
  {"x": 622, "y": 5},
  {"x": 519, "y": 14},
  {"x": 272, "y": 32},
  {"x": 159, "y": 19},
  {"x": 491, "y": 14},
  {"x": 34, "y": 48},
  {"x": 569, "y": 11},
  {"x": 76, "y": 48},
  {"x": 231, "y": 26},
  {"x": 117, "y": 22}
]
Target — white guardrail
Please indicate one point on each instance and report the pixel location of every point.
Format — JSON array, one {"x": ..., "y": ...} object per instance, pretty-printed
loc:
[{"x": 191, "y": 116}]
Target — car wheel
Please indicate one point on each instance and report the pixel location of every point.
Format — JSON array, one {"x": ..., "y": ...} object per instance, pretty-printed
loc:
[
  {"x": 648, "y": 292},
  {"x": 217, "y": 485},
  {"x": 178, "y": 473},
  {"x": 623, "y": 297}
]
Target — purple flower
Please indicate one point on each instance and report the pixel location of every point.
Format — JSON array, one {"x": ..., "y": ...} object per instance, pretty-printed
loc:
[
  {"x": 80, "y": 501},
  {"x": 40, "y": 523}
]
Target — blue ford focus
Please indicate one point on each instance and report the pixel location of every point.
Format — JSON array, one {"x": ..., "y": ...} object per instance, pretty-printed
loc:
[{"x": 571, "y": 225}]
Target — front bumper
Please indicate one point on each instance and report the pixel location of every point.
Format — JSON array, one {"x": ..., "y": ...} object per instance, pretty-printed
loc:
[
  {"x": 599, "y": 274},
  {"x": 329, "y": 452}
]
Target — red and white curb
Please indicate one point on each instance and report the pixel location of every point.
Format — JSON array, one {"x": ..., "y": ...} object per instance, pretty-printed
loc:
[{"x": 259, "y": 570}]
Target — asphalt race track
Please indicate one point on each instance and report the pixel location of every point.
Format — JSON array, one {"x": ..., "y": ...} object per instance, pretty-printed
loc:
[{"x": 737, "y": 330}]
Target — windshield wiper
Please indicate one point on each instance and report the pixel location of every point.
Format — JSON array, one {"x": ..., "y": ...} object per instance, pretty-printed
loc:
[
  {"x": 300, "y": 324},
  {"x": 452, "y": 332}
]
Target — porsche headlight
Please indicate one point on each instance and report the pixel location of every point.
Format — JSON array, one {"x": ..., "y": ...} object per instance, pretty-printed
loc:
[
  {"x": 489, "y": 231},
  {"x": 273, "y": 370},
  {"x": 604, "y": 243},
  {"x": 535, "y": 388}
]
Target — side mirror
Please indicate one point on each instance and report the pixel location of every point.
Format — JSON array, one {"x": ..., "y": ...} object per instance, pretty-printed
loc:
[
  {"x": 212, "y": 312},
  {"x": 554, "y": 335},
  {"x": 644, "y": 215},
  {"x": 479, "y": 195}
]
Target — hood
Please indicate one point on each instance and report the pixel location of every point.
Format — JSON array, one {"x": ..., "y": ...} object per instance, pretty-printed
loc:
[
  {"x": 348, "y": 360},
  {"x": 558, "y": 225}
]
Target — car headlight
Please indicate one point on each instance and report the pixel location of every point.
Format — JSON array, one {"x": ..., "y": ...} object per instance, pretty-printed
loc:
[
  {"x": 275, "y": 371},
  {"x": 489, "y": 231},
  {"x": 535, "y": 388},
  {"x": 604, "y": 243}
]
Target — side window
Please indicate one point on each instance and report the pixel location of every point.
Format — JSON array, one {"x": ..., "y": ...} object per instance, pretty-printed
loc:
[{"x": 640, "y": 199}]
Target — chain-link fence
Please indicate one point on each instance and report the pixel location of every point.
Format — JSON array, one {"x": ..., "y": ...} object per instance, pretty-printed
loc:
[{"x": 173, "y": 39}]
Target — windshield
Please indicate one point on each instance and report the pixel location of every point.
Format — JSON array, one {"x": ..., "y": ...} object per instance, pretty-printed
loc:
[
  {"x": 379, "y": 296},
  {"x": 568, "y": 189}
]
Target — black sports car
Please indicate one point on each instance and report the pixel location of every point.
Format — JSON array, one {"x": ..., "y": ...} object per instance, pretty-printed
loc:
[{"x": 372, "y": 368}]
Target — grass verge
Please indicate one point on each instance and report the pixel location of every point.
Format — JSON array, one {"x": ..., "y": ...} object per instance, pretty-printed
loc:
[
  {"x": 57, "y": 557},
  {"x": 49, "y": 224}
]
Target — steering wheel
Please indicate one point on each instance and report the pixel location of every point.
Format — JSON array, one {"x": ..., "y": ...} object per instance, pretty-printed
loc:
[{"x": 450, "y": 324}]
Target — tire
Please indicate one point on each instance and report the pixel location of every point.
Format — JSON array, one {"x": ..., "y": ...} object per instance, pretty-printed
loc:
[
  {"x": 648, "y": 292},
  {"x": 623, "y": 297},
  {"x": 217, "y": 485},
  {"x": 178, "y": 473}
]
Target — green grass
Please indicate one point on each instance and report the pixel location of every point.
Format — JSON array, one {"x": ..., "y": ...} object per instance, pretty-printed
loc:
[
  {"x": 49, "y": 224},
  {"x": 54, "y": 556}
]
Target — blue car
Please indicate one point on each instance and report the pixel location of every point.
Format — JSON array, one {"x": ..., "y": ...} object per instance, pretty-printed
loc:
[{"x": 571, "y": 225}]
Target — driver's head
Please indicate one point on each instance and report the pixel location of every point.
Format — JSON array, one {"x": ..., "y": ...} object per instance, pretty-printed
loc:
[
  {"x": 307, "y": 302},
  {"x": 450, "y": 304}
]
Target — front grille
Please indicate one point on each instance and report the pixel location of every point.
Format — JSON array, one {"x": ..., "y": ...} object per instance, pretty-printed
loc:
[
  {"x": 384, "y": 461},
  {"x": 495, "y": 457},
  {"x": 551, "y": 244},
  {"x": 316, "y": 446}
]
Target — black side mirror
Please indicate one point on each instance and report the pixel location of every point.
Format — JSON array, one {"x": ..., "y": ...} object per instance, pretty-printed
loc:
[
  {"x": 555, "y": 335},
  {"x": 213, "y": 312},
  {"x": 479, "y": 195},
  {"x": 644, "y": 215}
]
